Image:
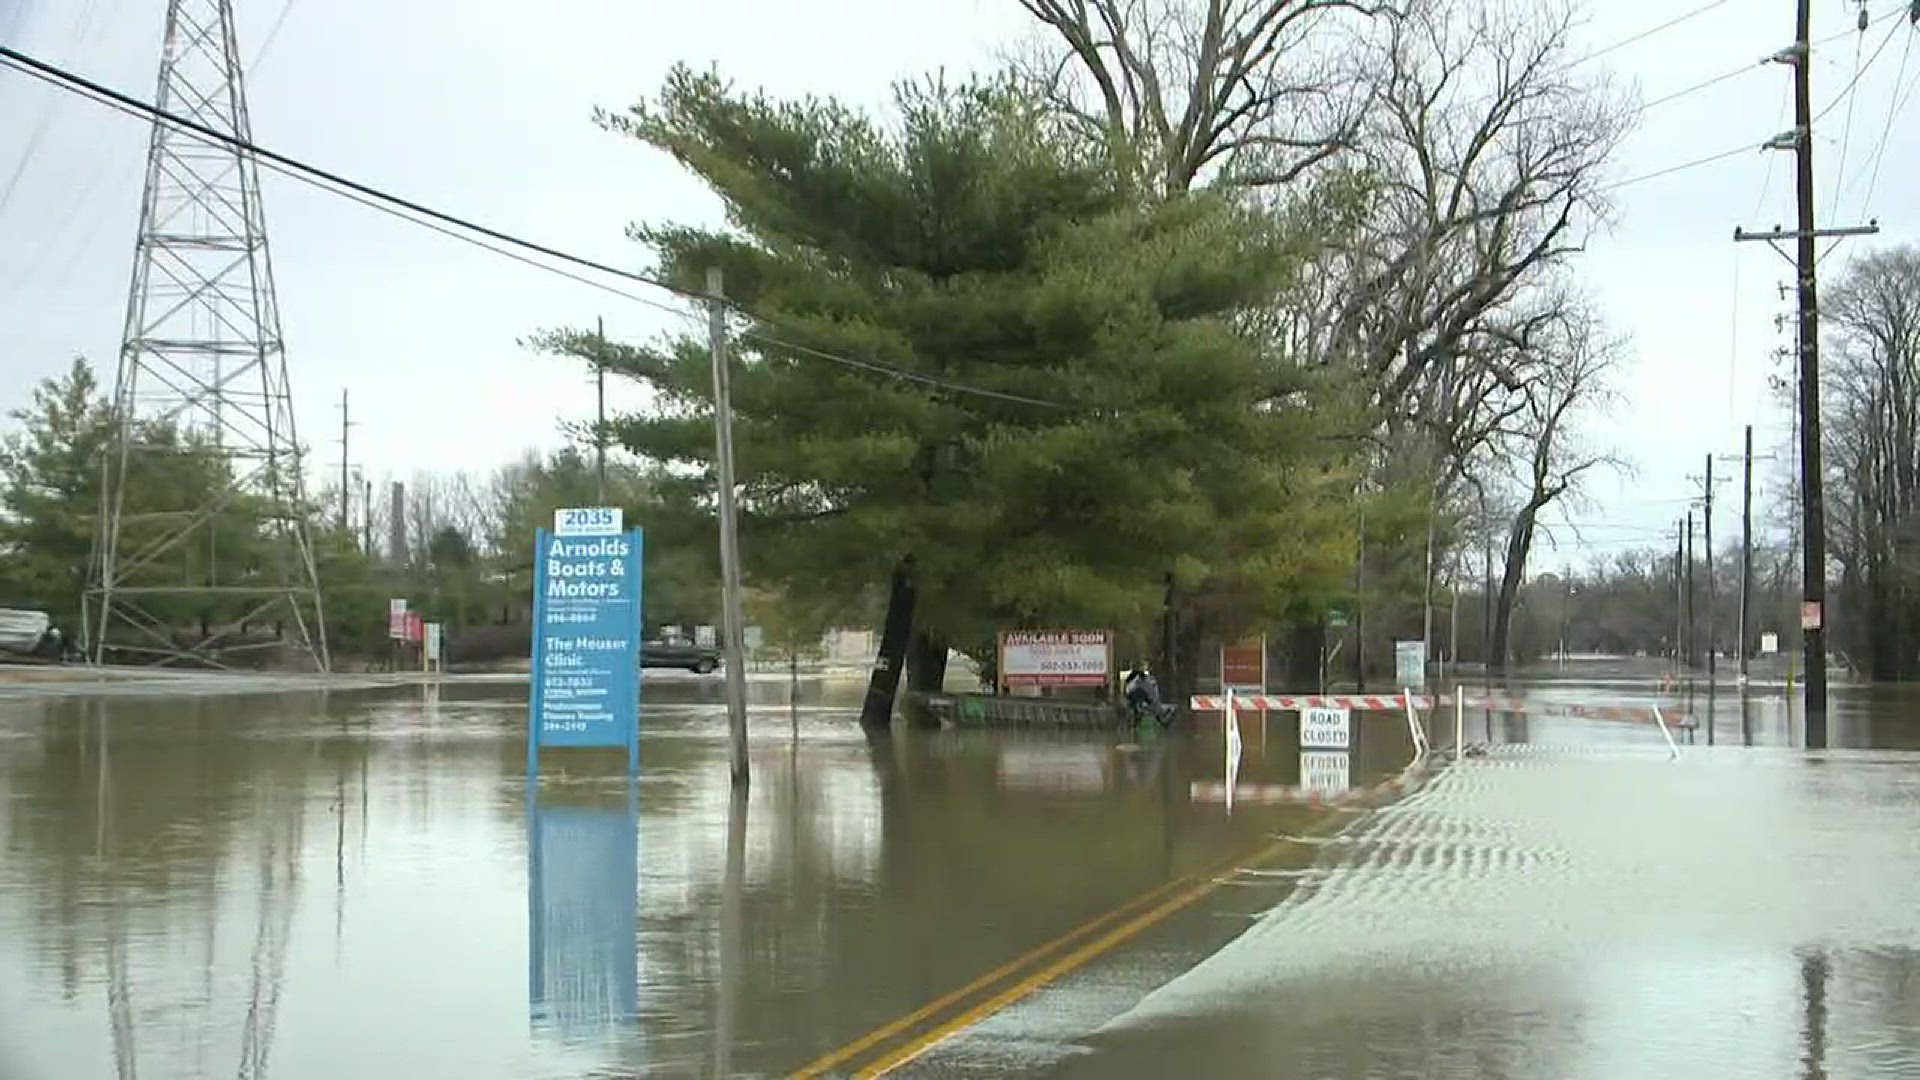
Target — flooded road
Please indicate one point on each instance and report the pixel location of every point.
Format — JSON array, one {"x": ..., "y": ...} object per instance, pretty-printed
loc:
[
  {"x": 308, "y": 885},
  {"x": 356, "y": 884}
]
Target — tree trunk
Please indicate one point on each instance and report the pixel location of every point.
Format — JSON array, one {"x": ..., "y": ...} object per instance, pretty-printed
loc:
[
  {"x": 877, "y": 710},
  {"x": 1306, "y": 644},
  {"x": 1519, "y": 545},
  {"x": 926, "y": 664}
]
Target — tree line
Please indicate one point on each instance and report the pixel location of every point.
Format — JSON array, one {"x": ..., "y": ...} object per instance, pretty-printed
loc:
[{"x": 465, "y": 556}]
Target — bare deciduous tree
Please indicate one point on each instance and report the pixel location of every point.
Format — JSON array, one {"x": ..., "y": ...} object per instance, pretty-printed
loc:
[
  {"x": 1258, "y": 90},
  {"x": 1484, "y": 153},
  {"x": 1872, "y": 434},
  {"x": 1543, "y": 444}
]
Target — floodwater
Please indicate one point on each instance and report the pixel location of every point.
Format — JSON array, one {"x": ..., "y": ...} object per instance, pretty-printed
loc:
[{"x": 353, "y": 884}]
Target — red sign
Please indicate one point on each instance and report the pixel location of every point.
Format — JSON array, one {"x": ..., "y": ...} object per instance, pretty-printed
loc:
[
  {"x": 1243, "y": 665},
  {"x": 416, "y": 628}
]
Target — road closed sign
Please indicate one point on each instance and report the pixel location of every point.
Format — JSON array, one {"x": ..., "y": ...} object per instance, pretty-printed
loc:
[{"x": 1325, "y": 729}]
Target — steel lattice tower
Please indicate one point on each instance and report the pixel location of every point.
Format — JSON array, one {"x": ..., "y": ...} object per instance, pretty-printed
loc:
[{"x": 202, "y": 540}]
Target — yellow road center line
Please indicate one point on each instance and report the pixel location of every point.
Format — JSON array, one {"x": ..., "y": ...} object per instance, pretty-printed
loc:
[
  {"x": 820, "y": 1065},
  {"x": 1060, "y": 967}
]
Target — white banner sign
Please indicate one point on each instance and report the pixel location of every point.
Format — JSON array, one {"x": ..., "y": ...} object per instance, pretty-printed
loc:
[
  {"x": 1325, "y": 773},
  {"x": 435, "y": 633},
  {"x": 1325, "y": 729},
  {"x": 589, "y": 521},
  {"x": 1769, "y": 644},
  {"x": 1056, "y": 657}
]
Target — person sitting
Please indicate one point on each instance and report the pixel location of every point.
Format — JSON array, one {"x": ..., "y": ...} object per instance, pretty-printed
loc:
[{"x": 1143, "y": 694}]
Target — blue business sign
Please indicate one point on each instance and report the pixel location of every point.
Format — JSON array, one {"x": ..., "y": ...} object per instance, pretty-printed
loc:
[
  {"x": 582, "y": 881},
  {"x": 586, "y": 635}
]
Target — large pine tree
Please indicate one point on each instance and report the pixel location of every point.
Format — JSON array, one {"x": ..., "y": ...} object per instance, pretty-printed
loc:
[{"x": 966, "y": 243}]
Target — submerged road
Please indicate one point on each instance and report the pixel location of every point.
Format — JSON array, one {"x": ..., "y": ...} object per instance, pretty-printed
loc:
[
  {"x": 1565, "y": 912},
  {"x": 194, "y": 883}
]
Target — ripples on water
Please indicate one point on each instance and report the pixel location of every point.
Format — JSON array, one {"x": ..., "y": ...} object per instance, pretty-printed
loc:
[{"x": 1586, "y": 912}]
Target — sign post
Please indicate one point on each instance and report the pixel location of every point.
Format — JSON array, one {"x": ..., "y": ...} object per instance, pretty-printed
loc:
[{"x": 586, "y": 635}]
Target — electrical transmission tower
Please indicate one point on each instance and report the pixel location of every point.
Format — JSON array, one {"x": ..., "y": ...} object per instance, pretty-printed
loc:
[{"x": 202, "y": 548}]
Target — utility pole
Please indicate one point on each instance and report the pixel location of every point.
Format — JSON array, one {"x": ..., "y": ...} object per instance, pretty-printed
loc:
[
  {"x": 1746, "y": 556},
  {"x": 1566, "y": 605},
  {"x": 1360, "y": 610},
  {"x": 600, "y": 409},
  {"x": 1486, "y": 613},
  {"x": 1813, "y": 507},
  {"x": 731, "y": 617},
  {"x": 346, "y": 519},
  {"x": 1693, "y": 626},
  {"x": 1679, "y": 594},
  {"x": 1713, "y": 636},
  {"x": 1453, "y": 620},
  {"x": 1813, "y": 551}
]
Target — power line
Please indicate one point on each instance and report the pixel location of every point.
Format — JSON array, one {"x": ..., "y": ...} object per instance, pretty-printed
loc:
[
  {"x": 1894, "y": 104},
  {"x": 1846, "y": 131},
  {"x": 1683, "y": 166},
  {"x": 273, "y": 34},
  {"x": 369, "y": 195},
  {"x": 1859, "y": 70},
  {"x": 1744, "y": 69},
  {"x": 1649, "y": 32}
]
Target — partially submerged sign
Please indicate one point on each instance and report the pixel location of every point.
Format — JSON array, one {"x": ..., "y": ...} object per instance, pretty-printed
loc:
[
  {"x": 1056, "y": 657},
  {"x": 586, "y": 635}
]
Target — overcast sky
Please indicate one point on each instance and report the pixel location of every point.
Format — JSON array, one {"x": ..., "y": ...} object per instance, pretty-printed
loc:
[{"x": 484, "y": 108}]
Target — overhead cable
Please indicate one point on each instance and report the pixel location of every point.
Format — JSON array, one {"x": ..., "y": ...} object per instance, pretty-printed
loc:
[{"x": 464, "y": 228}]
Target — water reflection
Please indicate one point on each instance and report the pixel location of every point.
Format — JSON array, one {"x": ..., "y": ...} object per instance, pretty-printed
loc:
[
  {"x": 582, "y": 884},
  {"x": 192, "y": 887}
]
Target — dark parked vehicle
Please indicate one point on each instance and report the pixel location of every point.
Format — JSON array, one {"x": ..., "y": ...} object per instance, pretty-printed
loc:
[{"x": 701, "y": 659}]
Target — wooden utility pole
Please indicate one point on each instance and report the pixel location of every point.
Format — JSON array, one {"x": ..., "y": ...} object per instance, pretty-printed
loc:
[
  {"x": 1813, "y": 506},
  {"x": 1360, "y": 611},
  {"x": 733, "y": 647},
  {"x": 1693, "y": 625},
  {"x": 1746, "y": 556},
  {"x": 600, "y": 409},
  {"x": 1679, "y": 593},
  {"x": 1713, "y": 637},
  {"x": 1486, "y": 612},
  {"x": 1813, "y": 544},
  {"x": 346, "y": 490}
]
